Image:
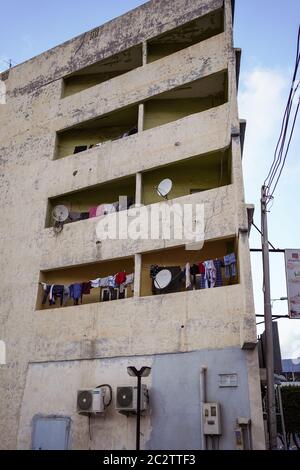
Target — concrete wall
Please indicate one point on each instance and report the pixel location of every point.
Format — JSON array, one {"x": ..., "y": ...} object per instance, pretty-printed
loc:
[
  {"x": 31, "y": 118},
  {"x": 173, "y": 420}
]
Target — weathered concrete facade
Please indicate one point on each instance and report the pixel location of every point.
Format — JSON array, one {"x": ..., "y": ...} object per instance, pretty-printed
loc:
[{"x": 52, "y": 353}]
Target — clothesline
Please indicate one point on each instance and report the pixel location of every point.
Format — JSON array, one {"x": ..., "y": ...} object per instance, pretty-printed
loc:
[
  {"x": 209, "y": 271},
  {"x": 76, "y": 290}
]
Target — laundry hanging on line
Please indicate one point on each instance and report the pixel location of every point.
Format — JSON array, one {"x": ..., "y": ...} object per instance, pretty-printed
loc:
[
  {"x": 204, "y": 275},
  {"x": 76, "y": 291}
]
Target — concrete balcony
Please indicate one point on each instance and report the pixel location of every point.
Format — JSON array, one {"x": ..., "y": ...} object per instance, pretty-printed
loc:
[
  {"x": 199, "y": 133},
  {"x": 180, "y": 322},
  {"x": 77, "y": 243},
  {"x": 193, "y": 63}
]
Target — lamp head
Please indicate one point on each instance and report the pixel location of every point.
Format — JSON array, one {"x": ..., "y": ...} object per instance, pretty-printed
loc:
[
  {"x": 132, "y": 371},
  {"x": 143, "y": 372}
]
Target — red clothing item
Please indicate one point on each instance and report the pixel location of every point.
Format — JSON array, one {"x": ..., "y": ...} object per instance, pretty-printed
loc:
[
  {"x": 120, "y": 278},
  {"x": 201, "y": 268}
]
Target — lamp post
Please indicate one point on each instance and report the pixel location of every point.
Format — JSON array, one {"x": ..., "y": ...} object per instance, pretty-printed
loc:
[{"x": 143, "y": 372}]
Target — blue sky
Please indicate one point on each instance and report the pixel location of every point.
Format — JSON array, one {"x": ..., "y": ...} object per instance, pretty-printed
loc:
[{"x": 266, "y": 31}]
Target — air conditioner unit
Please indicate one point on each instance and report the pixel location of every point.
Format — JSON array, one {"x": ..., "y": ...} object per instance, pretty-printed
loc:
[
  {"x": 91, "y": 401},
  {"x": 126, "y": 399}
]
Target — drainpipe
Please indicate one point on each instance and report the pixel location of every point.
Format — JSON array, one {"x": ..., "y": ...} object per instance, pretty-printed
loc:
[{"x": 202, "y": 401}]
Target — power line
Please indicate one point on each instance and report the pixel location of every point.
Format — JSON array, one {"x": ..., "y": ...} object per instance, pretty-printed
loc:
[{"x": 285, "y": 137}]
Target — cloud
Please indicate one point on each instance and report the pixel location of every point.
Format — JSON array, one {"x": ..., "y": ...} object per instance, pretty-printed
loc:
[{"x": 262, "y": 100}]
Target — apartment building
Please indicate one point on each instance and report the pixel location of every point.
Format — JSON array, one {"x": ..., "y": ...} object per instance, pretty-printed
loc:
[{"x": 148, "y": 96}]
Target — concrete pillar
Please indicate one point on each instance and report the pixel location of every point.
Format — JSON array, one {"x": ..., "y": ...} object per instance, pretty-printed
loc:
[
  {"x": 137, "y": 275},
  {"x": 141, "y": 117},
  {"x": 145, "y": 52},
  {"x": 138, "y": 188}
]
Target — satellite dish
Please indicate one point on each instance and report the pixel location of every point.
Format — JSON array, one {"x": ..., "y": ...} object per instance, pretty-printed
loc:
[
  {"x": 60, "y": 213},
  {"x": 164, "y": 187},
  {"x": 163, "y": 279}
]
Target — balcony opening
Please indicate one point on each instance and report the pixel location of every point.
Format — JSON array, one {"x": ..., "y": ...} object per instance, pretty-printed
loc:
[
  {"x": 187, "y": 35},
  {"x": 216, "y": 265},
  {"x": 94, "y": 201},
  {"x": 193, "y": 97},
  {"x": 95, "y": 132},
  {"x": 98, "y": 282},
  {"x": 102, "y": 71},
  {"x": 197, "y": 174}
]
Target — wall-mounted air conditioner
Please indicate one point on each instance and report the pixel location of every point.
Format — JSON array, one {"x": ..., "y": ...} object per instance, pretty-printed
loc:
[
  {"x": 91, "y": 401},
  {"x": 126, "y": 399}
]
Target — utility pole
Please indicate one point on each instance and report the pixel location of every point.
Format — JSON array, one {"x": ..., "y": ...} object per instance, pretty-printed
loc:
[{"x": 271, "y": 404}]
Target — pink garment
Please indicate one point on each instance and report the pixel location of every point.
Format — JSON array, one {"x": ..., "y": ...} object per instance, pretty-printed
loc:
[
  {"x": 100, "y": 210},
  {"x": 93, "y": 212},
  {"x": 104, "y": 209}
]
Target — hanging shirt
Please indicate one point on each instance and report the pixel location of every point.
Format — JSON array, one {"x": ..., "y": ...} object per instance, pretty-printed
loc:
[
  {"x": 210, "y": 273},
  {"x": 46, "y": 292},
  {"x": 120, "y": 278},
  {"x": 201, "y": 268},
  {"x": 218, "y": 265},
  {"x": 93, "y": 212},
  {"x": 194, "y": 269},
  {"x": 111, "y": 281},
  {"x": 66, "y": 295},
  {"x": 74, "y": 216},
  {"x": 129, "y": 279},
  {"x": 104, "y": 282},
  {"x": 75, "y": 292},
  {"x": 86, "y": 287},
  {"x": 96, "y": 282},
  {"x": 56, "y": 291},
  {"x": 100, "y": 210},
  {"x": 230, "y": 265}
]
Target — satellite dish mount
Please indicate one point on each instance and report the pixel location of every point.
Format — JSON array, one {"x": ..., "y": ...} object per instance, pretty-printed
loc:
[{"x": 60, "y": 214}]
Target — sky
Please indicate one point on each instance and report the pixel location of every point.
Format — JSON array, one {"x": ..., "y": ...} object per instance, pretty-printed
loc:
[{"x": 266, "y": 30}]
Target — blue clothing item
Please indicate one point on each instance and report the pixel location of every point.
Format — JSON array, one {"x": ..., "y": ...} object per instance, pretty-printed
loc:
[
  {"x": 230, "y": 265},
  {"x": 203, "y": 281},
  {"x": 75, "y": 292},
  {"x": 111, "y": 281},
  {"x": 218, "y": 264}
]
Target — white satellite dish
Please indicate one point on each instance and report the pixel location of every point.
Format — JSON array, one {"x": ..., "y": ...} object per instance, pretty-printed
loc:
[
  {"x": 60, "y": 213},
  {"x": 163, "y": 279},
  {"x": 164, "y": 187}
]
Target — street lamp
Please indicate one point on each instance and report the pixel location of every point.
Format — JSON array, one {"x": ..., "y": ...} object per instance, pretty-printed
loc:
[{"x": 143, "y": 372}]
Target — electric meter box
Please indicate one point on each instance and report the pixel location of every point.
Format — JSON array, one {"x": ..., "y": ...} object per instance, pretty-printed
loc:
[{"x": 211, "y": 419}]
